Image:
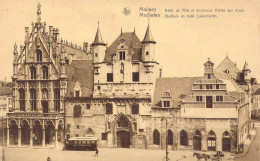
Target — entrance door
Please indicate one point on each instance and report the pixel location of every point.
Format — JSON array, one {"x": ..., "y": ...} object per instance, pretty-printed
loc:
[
  {"x": 197, "y": 143},
  {"x": 123, "y": 139},
  {"x": 45, "y": 107},
  {"x": 226, "y": 144}
]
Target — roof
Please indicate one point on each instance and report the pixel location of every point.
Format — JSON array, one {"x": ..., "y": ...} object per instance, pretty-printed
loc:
[
  {"x": 148, "y": 38},
  {"x": 98, "y": 39},
  {"x": 257, "y": 92},
  {"x": 227, "y": 64},
  {"x": 5, "y": 91},
  {"x": 80, "y": 71},
  {"x": 179, "y": 87},
  {"x": 131, "y": 41},
  {"x": 231, "y": 85}
]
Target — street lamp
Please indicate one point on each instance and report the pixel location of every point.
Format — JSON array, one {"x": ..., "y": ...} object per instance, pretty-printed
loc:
[{"x": 3, "y": 144}]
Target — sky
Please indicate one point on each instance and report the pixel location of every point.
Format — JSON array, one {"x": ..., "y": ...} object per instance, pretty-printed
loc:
[{"x": 183, "y": 44}]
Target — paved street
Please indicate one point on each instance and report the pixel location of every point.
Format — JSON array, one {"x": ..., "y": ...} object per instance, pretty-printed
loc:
[
  {"x": 105, "y": 154},
  {"x": 254, "y": 149}
]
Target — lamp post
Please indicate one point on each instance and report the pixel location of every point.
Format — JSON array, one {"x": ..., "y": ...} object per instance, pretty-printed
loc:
[{"x": 3, "y": 144}]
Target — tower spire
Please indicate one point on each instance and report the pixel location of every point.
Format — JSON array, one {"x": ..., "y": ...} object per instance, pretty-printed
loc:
[
  {"x": 39, "y": 12},
  {"x": 98, "y": 38},
  {"x": 148, "y": 38}
]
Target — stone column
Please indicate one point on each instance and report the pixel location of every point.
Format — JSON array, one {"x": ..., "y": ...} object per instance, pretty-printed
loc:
[
  {"x": 204, "y": 142},
  {"x": 56, "y": 138},
  {"x": 27, "y": 94},
  {"x": 31, "y": 136},
  {"x": 43, "y": 137},
  {"x": 7, "y": 134},
  {"x": 19, "y": 136},
  {"x": 219, "y": 143}
]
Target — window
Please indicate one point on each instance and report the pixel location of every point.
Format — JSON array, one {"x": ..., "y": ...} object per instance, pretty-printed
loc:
[
  {"x": 33, "y": 99},
  {"x": 166, "y": 103},
  {"x": 109, "y": 108},
  {"x": 219, "y": 98},
  {"x": 104, "y": 136},
  {"x": 33, "y": 72},
  {"x": 77, "y": 126},
  {"x": 96, "y": 54},
  {"x": 76, "y": 93},
  {"x": 22, "y": 99},
  {"x": 57, "y": 99},
  {"x": 77, "y": 135},
  {"x": 198, "y": 98},
  {"x": 88, "y": 106},
  {"x": 147, "y": 53},
  {"x": 209, "y": 103},
  {"x": 98, "y": 87},
  {"x": 122, "y": 55},
  {"x": 217, "y": 86},
  {"x": 211, "y": 141},
  {"x": 200, "y": 86},
  {"x": 77, "y": 111},
  {"x": 39, "y": 55},
  {"x": 135, "y": 109},
  {"x": 135, "y": 76},
  {"x": 44, "y": 72},
  {"x": 109, "y": 77},
  {"x": 141, "y": 130},
  {"x": 208, "y": 86},
  {"x": 209, "y": 76},
  {"x": 156, "y": 137}
]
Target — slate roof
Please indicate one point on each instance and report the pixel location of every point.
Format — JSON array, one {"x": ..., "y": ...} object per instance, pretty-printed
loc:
[
  {"x": 179, "y": 87},
  {"x": 148, "y": 38},
  {"x": 80, "y": 71},
  {"x": 131, "y": 41},
  {"x": 231, "y": 66},
  {"x": 5, "y": 91},
  {"x": 257, "y": 92},
  {"x": 98, "y": 39}
]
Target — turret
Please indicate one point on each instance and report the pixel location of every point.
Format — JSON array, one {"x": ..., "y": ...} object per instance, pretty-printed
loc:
[
  {"x": 148, "y": 46},
  {"x": 247, "y": 73},
  {"x": 209, "y": 69},
  {"x": 98, "y": 47},
  {"x": 15, "y": 60}
]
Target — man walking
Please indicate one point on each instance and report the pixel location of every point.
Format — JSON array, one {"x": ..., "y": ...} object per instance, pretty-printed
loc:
[{"x": 96, "y": 152}]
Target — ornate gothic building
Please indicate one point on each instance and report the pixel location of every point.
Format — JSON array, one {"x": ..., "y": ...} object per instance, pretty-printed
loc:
[{"x": 116, "y": 94}]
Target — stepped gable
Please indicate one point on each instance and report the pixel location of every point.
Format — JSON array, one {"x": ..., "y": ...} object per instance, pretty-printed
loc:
[
  {"x": 179, "y": 87},
  {"x": 131, "y": 40},
  {"x": 230, "y": 68},
  {"x": 80, "y": 71}
]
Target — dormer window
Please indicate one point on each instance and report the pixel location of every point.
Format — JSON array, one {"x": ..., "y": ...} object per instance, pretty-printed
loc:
[
  {"x": 77, "y": 90},
  {"x": 147, "y": 53},
  {"x": 122, "y": 55},
  {"x": 227, "y": 71},
  {"x": 166, "y": 99}
]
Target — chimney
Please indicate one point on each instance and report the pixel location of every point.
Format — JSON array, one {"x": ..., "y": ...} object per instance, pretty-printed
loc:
[
  {"x": 57, "y": 35},
  {"x": 161, "y": 72},
  {"x": 51, "y": 31}
]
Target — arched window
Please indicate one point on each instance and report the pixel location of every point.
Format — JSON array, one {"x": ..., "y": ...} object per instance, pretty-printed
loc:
[
  {"x": 33, "y": 99},
  {"x": 226, "y": 140},
  {"x": 211, "y": 141},
  {"x": 22, "y": 99},
  {"x": 77, "y": 111},
  {"x": 39, "y": 55},
  {"x": 156, "y": 137},
  {"x": 90, "y": 132},
  {"x": 197, "y": 140},
  {"x": 33, "y": 72},
  {"x": 109, "y": 108},
  {"x": 57, "y": 99},
  {"x": 45, "y": 72},
  {"x": 122, "y": 122},
  {"x": 184, "y": 138},
  {"x": 170, "y": 137}
]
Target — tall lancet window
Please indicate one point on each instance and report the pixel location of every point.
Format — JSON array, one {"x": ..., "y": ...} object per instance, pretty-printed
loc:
[
  {"x": 39, "y": 55},
  {"x": 45, "y": 72}
]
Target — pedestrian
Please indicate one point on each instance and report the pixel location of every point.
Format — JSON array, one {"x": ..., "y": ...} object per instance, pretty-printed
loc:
[
  {"x": 48, "y": 159},
  {"x": 96, "y": 152}
]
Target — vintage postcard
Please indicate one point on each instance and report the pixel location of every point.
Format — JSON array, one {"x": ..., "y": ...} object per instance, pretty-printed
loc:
[{"x": 131, "y": 80}]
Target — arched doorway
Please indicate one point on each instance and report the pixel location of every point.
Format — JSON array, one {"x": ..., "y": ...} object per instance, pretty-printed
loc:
[
  {"x": 183, "y": 138},
  {"x": 60, "y": 133},
  {"x": 25, "y": 133},
  {"x": 211, "y": 141},
  {"x": 37, "y": 133},
  {"x": 123, "y": 130},
  {"x": 170, "y": 137},
  {"x": 226, "y": 139},
  {"x": 49, "y": 133},
  {"x": 13, "y": 133},
  {"x": 156, "y": 137},
  {"x": 197, "y": 140}
]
